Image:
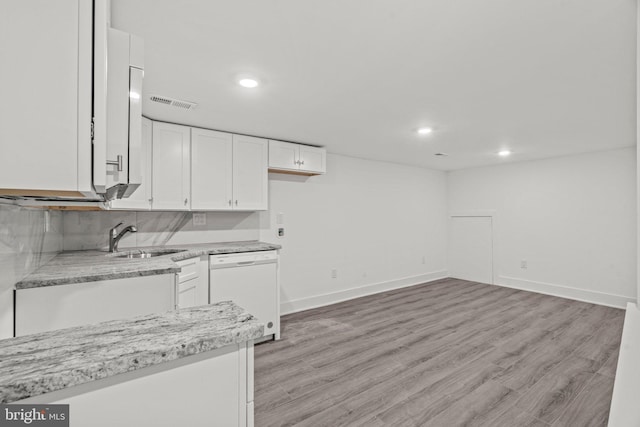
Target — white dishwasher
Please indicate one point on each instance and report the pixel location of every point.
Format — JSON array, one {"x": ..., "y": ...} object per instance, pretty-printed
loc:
[{"x": 249, "y": 279}]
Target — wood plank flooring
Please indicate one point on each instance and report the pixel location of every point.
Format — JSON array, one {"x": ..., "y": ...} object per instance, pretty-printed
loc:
[{"x": 446, "y": 353}]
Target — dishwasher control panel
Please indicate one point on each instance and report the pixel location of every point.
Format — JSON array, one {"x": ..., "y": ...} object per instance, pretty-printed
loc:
[{"x": 241, "y": 258}]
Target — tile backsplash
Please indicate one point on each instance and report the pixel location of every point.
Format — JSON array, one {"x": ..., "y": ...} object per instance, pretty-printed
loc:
[
  {"x": 28, "y": 239},
  {"x": 89, "y": 230}
]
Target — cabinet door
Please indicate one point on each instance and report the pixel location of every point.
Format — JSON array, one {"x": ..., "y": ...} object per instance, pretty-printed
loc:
[
  {"x": 312, "y": 159},
  {"x": 188, "y": 293},
  {"x": 250, "y": 163},
  {"x": 170, "y": 168},
  {"x": 211, "y": 170},
  {"x": 141, "y": 198},
  {"x": 45, "y": 82},
  {"x": 283, "y": 155},
  {"x": 117, "y": 107}
]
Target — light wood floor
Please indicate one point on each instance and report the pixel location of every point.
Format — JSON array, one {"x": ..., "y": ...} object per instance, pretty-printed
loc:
[{"x": 446, "y": 353}]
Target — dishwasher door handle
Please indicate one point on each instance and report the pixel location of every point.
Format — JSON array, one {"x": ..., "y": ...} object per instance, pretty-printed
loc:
[{"x": 245, "y": 263}]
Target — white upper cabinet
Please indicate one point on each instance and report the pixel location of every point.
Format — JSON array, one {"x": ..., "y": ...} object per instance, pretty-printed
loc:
[
  {"x": 283, "y": 155},
  {"x": 45, "y": 121},
  {"x": 288, "y": 157},
  {"x": 170, "y": 167},
  {"x": 141, "y": 198},
  {"x": 211, "y": 170},
  {"x": 250, "y": 177},
  {"x": 228, "y": 172},
  {"x": 312, "y": 159}
]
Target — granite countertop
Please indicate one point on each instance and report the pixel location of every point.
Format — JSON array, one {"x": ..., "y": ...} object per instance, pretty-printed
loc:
[
  {"x": 36, "y": 364},
  {"x": 91, "y": 266}
]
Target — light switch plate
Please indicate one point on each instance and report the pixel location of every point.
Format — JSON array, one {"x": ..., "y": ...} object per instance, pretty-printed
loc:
[{"x": 199, "y": 219}]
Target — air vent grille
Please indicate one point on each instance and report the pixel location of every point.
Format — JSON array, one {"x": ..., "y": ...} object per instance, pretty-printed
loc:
[{"x": 173, "y": 102}]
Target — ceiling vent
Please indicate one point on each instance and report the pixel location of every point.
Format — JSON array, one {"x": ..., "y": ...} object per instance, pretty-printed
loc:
[{"x": 173, "y": 102}]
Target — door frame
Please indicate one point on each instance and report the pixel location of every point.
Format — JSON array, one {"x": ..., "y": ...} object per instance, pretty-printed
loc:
[{"x": 483, "y": 214}]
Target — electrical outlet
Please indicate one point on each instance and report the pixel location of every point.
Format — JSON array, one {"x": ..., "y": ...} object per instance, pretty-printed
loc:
[
  {"x": 523, "y": 264},
  {"x": 199, "y": 218},
  {"x": 281, "y": 232},
  {"x": 334, "y": 274}
]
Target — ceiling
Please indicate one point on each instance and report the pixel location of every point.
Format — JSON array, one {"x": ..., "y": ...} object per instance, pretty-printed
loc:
[{"x": 543, "y": 78}]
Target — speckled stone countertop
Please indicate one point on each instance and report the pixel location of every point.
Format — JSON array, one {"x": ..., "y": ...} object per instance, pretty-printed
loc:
[
  {"x": 36, "y": 364},
  {"x": 91, "y": 266}
]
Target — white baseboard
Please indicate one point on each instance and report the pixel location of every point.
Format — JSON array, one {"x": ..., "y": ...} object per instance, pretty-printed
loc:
[
  {"x": 301, "y": 304},
  {"x": 624, "y": 403},
  {"x": 594, "y": 297}
]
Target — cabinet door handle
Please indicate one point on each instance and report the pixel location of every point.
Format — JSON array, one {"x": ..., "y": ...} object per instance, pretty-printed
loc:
[
  {"x": 186, "y": 201},
  {"x": 118, "y": 162},
  {"x": 229, "y": 202},
  {"x": 302, "y": 162},
  {"x": 236, "y": 203}
]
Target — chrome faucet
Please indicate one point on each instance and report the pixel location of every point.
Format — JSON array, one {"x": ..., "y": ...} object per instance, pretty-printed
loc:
[{"x": 114, "y": 236}]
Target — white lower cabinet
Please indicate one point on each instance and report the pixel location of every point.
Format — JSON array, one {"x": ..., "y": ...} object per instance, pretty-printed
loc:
[
  {"x": 63, "y": 306},
  {"x": 207, "y": 389},
  {"x": 192, "y": 283}
]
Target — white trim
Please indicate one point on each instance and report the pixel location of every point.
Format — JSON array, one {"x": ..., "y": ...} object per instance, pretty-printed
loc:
[
  {"x": 288, "y": 307},
  {"x": 624, "y": 402},
  {"x": 594, "y": 297},
  {"x": 494, "y": 224}
]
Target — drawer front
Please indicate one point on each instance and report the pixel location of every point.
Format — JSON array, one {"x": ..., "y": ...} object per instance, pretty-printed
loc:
[{"x": 189, "y": 271}]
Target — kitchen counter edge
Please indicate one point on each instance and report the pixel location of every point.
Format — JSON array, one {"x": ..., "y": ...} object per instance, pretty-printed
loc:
[{"x": 91, "y": 266}]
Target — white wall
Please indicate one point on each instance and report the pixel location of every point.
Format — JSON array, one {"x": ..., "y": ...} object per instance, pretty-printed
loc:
[
  {"x": 24, "y": 246},
  {"x": 572, "y": 218},
  {"x": 373, "y": 222}
]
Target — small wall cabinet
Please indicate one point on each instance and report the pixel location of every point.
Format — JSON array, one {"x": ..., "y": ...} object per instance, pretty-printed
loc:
[{"x": 287, "y": 157}]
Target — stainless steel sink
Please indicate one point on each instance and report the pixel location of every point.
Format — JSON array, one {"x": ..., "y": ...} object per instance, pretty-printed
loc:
[{"x": 146, "y": 253}]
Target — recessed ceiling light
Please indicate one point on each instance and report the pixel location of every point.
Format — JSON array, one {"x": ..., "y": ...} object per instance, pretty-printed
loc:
[
  {"x": 504, "y": 153},
  {"x": 250, "y": 83},
  {"x": 425, "y": 131}
]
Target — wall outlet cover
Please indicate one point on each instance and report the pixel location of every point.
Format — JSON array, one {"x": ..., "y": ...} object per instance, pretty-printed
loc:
[{"x": 199, "y": 219}]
